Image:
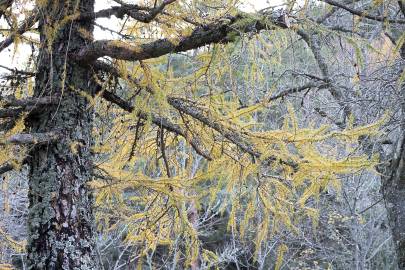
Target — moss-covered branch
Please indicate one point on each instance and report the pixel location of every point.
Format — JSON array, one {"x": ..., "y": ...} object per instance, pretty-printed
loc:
[{"x": 223, "y": 31}]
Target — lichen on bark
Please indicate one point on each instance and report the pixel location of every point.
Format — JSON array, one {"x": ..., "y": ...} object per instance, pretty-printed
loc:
[{"x": 61, "y": 225}]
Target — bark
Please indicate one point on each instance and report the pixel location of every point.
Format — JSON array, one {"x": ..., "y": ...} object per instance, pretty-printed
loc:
[
  {"x": 393, "y": 188},
  {"x": 224, "y": 31},
  {"x": 61, "y": 223},
  {"x": 394, "y": 194},
  {"x": 30, "y": 138}
]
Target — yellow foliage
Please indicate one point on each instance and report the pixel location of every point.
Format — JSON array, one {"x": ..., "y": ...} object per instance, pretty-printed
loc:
[
  {"x": 162, "y": 201},
  {"x": 6, "y": 266},
  {"x": 15, "y": 245},
  {"x": 147, "y": 182},
  {"x": 280, "y": 254}
]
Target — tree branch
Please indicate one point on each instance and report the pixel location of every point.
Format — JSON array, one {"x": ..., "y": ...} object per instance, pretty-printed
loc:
[
  {"x": 31, "y": 138},
  {"x": 197, "y": 113},
  {"x": 139, "y": 13},
  {"x": 24, "y": 27},
  {"x": 232, "y": 135},
  {"x": 314, "y": 44},
  {"x": 297, "y": 90},
  {"x": 220, "y": 32},
  {"x": 363, "y": 14},
  {"x": 13, "y": 107},
  {"x": 5, "y": 5},
  {"x": 160, "y": 121},
  {"x": 194, "y": 111},
  {"x": 11, "y": 101},
  {"x": 19, "y": 72}
]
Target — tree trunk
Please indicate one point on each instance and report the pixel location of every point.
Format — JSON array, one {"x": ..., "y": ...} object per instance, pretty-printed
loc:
[
  {"x": 394, "y": 195},
  {"x": 393, "y": 188},
  {"x": 61, "y": 223}
]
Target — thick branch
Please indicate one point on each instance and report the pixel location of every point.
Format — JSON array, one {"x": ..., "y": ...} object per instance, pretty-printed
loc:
[
  {"x": 11, "y": 112},
  {"x": 362, "y": 14},
  {"x": 220, "y": 32},
  {"x": 31, "y": 138},
  {"x": 11, "y": 101},
  {"x": 13, "y": 107}
]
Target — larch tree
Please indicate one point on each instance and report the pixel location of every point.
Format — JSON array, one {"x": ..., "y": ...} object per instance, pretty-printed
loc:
[{"x": 137, "y": 130}]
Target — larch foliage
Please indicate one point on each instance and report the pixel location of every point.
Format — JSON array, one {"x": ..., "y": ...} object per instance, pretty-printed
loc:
[{"x": 149, "y": 180}]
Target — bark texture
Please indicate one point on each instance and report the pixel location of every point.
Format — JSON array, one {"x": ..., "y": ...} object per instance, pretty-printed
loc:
[
  {"x": 393, "y": 188},
  {"x": 61, "y": 223}
]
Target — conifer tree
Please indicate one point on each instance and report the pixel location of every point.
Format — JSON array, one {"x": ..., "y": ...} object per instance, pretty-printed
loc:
[{"x": 112, "y": 133}]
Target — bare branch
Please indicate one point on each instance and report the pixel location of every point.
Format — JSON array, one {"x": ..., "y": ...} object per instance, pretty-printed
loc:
[
  {"x": 315, "y": 46},
  {"x": 19, "y": 72},
  {"x": 13, "y": 107},
  {"x": 297, "y": 90},
  {"x": 31, "y": 138},
  {"x": 139, "y": 13},
  {"x": 363, "y": 14},
  {"x": 11, "y": 101}
]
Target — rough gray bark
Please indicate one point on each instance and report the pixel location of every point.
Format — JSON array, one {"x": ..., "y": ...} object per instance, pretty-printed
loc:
[{"x": 61, "y": 223}]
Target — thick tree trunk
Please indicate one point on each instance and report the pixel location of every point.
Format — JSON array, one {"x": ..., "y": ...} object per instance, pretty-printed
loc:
[{"x": 61, "y": 224}]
